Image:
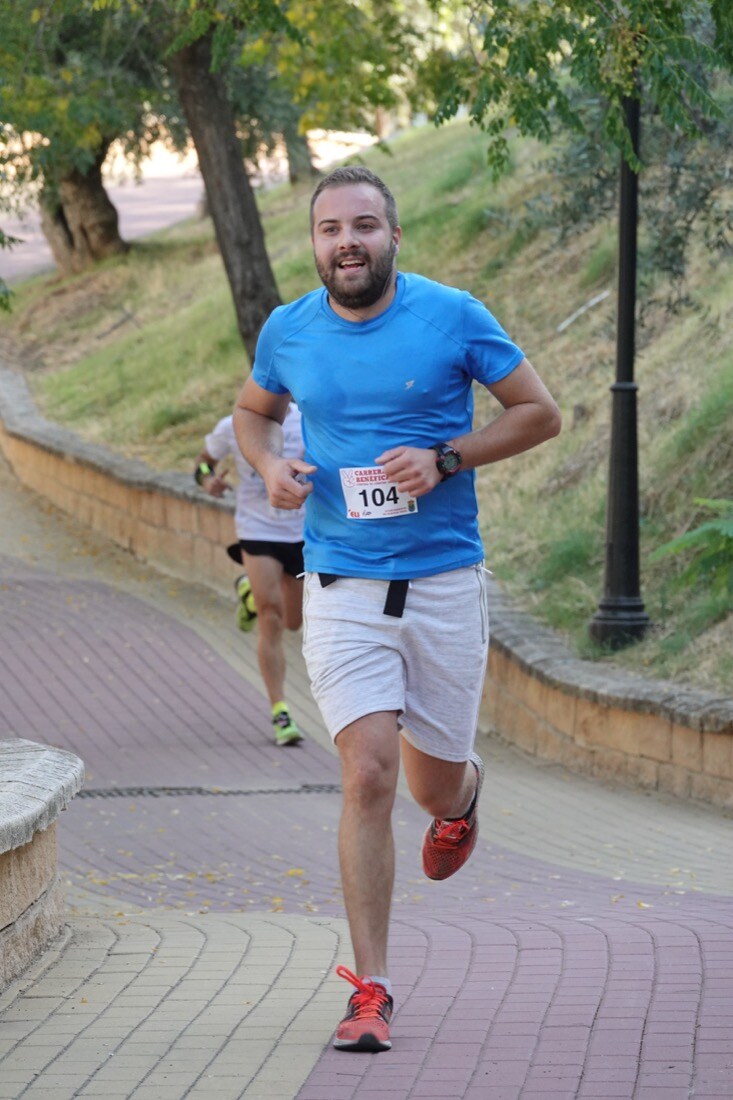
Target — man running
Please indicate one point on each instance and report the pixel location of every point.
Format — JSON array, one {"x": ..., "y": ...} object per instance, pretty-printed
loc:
[
  {"x": 381, "y": 365},
  {"x": 270, "y": 546}
]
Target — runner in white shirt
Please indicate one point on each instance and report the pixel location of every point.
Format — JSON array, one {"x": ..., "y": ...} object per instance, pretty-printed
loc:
[{"x": 270, "y": 546}]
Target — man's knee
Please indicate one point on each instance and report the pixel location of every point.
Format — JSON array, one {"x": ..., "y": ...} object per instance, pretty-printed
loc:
[
  {"x": 270, "y": 616},
  {"x": 368, "y": 780}
]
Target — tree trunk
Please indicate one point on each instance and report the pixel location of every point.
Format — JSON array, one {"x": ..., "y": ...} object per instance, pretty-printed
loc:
[
  {"x": 80, "y": 222},
  {"x": 231, "y": 200},
  {"x": 300, "y": 164}
]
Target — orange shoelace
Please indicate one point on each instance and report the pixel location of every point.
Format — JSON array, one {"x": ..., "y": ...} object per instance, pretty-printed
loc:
[
  {"x": 369, "y": 998},
  {"x": 448, "y": 833}
]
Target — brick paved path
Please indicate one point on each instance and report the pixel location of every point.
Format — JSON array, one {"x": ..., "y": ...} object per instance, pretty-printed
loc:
[{"x": 586, "y": 951}]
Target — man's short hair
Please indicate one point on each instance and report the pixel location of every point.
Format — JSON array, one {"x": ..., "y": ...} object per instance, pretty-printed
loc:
[{"x": 357, "y": 173}]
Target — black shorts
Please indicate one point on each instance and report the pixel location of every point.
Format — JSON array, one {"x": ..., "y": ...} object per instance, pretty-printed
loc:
[{"x": 289, "y": 554}]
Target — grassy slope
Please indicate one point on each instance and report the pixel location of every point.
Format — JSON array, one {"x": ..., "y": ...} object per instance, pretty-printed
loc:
[{"x": 152, "y": 386}]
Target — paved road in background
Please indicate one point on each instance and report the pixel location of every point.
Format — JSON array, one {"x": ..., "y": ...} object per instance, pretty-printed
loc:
[
  {"x": 156, "y": 202},
  {"x": 170, "y": 190},
  {"x": 585, "y": 951}
]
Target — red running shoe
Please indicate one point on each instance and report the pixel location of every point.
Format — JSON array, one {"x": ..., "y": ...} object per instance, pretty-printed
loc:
[
  {"x": 365, "y": 1027},
  {"x": 448, "y": 844}
]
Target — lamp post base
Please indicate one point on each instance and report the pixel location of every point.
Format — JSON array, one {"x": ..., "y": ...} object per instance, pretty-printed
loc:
[{"x": 619, "y": 621}]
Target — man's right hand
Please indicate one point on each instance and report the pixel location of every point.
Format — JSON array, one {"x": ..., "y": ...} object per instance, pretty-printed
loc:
[
  {"x": 286, "y": 481},
  {"x": 215, "y": 485}
]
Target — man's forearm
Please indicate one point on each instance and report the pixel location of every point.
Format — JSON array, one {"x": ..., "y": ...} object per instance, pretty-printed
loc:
[
  {"x": 516, "y": 429},
  {"x": 259, "y": 437}
]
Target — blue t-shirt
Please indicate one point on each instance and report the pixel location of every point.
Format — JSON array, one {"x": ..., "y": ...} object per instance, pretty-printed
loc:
[{"x": 401, "y": 379}]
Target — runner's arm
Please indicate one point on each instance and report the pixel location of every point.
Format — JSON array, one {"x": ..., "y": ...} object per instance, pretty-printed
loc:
[
  {"x": 258, "y": 418},
  {"x": 529, "y": 416},
  {"x": 211, "y": 482}
]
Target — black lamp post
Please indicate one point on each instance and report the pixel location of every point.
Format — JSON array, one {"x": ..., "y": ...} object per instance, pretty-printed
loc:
[{"x": 621, "y": 618}]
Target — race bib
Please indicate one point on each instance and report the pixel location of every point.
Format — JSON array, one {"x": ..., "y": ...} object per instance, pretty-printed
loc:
[{"x": 369, "y": 495}]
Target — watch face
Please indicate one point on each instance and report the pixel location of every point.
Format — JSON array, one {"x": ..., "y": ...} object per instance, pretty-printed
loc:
[{"x": 449, "y": 462}]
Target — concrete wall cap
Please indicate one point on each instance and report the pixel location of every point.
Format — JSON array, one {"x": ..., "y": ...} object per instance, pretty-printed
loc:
[
  {"x": 37, "y": 782},
  {"x": 542, "y": 654}
]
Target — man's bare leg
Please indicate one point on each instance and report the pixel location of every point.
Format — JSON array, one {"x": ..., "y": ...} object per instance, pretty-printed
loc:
[
  {"x": 292, "y": 592},
  {"x": 440, "y": 787},
  {"x": 449, "y": 792},
  {"x": 370, "y": 757},
  {"x": 265, "y": 575}
]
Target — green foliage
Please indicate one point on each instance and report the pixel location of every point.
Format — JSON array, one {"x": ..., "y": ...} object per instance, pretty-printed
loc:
[
  {"x": 344, "y": 60},
  {"x": 78, "y": 74},
  {"x": 186, "y": 22},
  {"x": 74, "y": 79},
  {"x": 519, "y": 61},
  {"x": 722, "y": 12},
  {"x": 711, "y": 545},
  {"x": 263, "y": 107},
  {"x": 684, "y": 188}
]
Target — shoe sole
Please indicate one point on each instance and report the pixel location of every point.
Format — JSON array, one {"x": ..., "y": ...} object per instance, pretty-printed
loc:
[
  {"x": 368, "y": 1044},
  {"x": 289, "y": 739}
]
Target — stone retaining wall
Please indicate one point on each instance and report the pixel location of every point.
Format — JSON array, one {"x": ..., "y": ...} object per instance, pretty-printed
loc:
[
  {"x": 591, "y": 717},
  {"x": 601, "y": 720},
  {"x": 36, "y": 784},
  {"x": 163, "y": 518}
]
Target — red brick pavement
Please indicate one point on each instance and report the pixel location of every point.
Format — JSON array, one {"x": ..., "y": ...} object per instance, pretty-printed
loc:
[{"x": 516, "y": 979}]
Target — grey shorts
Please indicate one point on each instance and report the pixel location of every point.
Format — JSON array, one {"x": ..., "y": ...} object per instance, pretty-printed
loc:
[{"x": 429, "y": 665}]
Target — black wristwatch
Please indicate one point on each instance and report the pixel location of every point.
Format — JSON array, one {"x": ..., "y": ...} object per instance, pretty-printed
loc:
[{"x": 448, "y": 460}]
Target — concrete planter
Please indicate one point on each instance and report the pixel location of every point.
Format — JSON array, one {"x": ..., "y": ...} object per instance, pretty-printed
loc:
[{"x": 36, "y": 784}]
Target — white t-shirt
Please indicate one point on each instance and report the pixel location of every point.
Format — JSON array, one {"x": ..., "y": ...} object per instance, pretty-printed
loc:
[{"x": 254, "y": 516}]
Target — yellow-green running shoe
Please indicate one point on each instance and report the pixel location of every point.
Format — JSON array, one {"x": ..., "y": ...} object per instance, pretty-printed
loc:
[
  {"x": 246, "y": 609},
  {"x": 286, "y": 731}
]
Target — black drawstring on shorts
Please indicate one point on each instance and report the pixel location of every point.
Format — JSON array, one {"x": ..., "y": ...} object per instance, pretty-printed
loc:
[{"x": 394, "y": 604}]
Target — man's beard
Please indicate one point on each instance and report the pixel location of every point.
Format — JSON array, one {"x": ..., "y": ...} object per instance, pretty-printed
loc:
[{"x": 367, "y": 293}]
